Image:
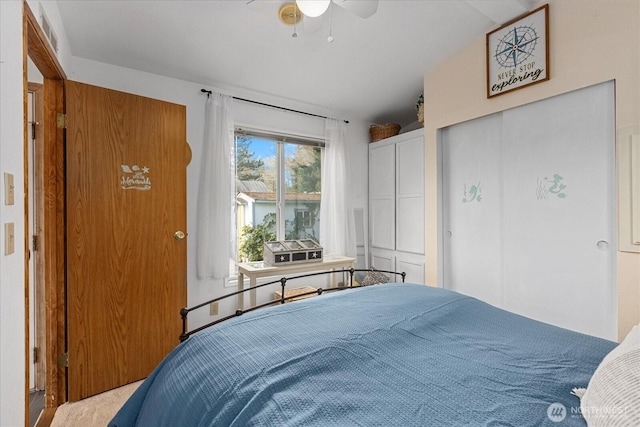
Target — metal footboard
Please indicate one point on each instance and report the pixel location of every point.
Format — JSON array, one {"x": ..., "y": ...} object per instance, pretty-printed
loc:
[{"x": 184, "y": 312}]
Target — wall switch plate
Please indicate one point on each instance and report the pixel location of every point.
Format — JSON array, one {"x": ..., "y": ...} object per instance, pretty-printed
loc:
[
  {"x": 213, "y": 309},
  {"x": 9, "y": 238},
  {"x": 9, "y": 189}
]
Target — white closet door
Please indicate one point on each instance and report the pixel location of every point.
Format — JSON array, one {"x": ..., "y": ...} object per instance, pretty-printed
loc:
[
  {"x": 382, "y": 182},
  {"x": 383, "y": 260},
  {"x": 472, "y": 199},
  {"x": 559, "y": 209},
  {"x": 410, "y": 195},
  {"x": 541, "y": 241}
]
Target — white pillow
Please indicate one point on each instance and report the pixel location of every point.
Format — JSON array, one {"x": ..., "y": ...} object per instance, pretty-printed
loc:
[{"x": 613, "y": 394}]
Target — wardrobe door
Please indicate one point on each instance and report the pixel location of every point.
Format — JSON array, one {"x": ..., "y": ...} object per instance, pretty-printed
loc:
[
  {"x": 382, "y": 182},
  {"x": 410, "y": 195},
  {"x": 383, "y": 260},
  {"x": 541, "y": 240},
  {"x": 559, "y": 210},
  {"x": 472, "y": 208}
]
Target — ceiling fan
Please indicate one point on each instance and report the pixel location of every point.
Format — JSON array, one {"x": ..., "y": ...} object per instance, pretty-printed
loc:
[
  {"x": 311, "y": 14},
  {"x": 315, "y": 8}
]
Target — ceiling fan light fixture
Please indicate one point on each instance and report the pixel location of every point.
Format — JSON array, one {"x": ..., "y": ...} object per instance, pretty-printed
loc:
[
  {"x": 313, "y": 8},
  {"x": 289, "y": 14}
]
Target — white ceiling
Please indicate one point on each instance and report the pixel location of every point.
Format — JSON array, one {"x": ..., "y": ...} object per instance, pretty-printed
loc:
[{"x": 373, "y": 71}]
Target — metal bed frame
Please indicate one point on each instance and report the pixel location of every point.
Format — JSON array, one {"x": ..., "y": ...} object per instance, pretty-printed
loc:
[{"x": 184, "y": 312}]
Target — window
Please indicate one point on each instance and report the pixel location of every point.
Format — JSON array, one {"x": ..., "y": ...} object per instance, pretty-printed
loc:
[
  {"x": 277, "y": 190},
  {"x": 304, "y": 218}
]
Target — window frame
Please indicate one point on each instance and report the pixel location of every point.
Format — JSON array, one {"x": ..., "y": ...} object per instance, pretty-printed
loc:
[
  {"x": 305, "y": 214},
  {"x": 280, "y": 139}
]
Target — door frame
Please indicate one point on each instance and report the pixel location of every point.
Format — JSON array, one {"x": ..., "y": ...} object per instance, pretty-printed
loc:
[
  {"x": 50, "y": 194},
  {"x": 36, "y": 260}
]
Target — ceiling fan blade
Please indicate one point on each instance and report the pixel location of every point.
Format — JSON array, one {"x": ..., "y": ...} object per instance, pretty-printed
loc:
[
  {"x": 260, "y": 6},
  {"x": 362, "y": 8}
]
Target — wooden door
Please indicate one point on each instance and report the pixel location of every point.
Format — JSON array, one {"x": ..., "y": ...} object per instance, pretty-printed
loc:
[{"x": 126, "y": 269}]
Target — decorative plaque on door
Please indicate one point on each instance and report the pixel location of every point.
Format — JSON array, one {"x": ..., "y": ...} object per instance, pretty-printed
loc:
[{"x": 135, "y": 178}]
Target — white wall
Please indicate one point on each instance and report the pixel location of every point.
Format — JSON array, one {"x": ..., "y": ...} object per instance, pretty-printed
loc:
[
  {"x": 247, "y": 115},
  {"x": 12, "y": 287}
]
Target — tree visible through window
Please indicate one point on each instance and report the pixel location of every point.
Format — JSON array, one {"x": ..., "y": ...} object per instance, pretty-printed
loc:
[
  {"x": 278, "y": 186},
  {"x": 248, "y": 168}
]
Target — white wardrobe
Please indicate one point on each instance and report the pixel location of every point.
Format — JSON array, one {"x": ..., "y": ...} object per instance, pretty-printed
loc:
[
  {"x": 528, "y": 210},
  {"x": 396, "y": 204}
]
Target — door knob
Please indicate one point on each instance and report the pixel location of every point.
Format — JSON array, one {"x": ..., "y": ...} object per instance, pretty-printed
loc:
[{"x": 179, "y": 235}]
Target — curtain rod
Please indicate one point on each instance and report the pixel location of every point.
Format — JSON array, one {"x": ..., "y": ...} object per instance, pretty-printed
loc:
[{"x": 208, "y": 92}]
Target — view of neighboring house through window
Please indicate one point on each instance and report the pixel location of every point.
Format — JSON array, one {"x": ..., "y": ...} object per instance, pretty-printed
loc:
[{"x": 277, "y": 190}]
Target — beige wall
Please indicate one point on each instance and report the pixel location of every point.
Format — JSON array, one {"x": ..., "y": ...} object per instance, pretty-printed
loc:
[{"x": 591, "y": 41}]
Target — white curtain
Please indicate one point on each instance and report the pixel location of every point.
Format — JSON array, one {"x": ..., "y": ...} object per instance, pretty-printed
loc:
[
  {"x": 216, "y": 195},
  {"x": 337, "y": 222}
]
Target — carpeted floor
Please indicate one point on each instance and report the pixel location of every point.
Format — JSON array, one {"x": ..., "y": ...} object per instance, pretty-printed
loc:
[{"x": 94, "y": 411}]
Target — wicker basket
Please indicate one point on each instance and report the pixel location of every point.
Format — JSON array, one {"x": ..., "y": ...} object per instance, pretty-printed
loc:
[{"x": 379, "y": 132}]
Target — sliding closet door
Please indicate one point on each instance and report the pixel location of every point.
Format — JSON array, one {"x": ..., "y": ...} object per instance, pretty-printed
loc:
[
  {"x": 559, "y": 208},
  {"x": 541, "y": 240},
  {"x": 472, "y": 198}
]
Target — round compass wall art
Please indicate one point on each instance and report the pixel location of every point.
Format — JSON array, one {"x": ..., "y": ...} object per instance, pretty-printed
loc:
[{"x": 518, "y": 53}]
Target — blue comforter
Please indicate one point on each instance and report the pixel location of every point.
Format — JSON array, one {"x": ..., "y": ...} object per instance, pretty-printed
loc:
[{"x": 385, "y": 355}]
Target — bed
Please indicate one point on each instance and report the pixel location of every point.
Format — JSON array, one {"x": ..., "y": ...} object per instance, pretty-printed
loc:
[{"x": 394, "y": 354}]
